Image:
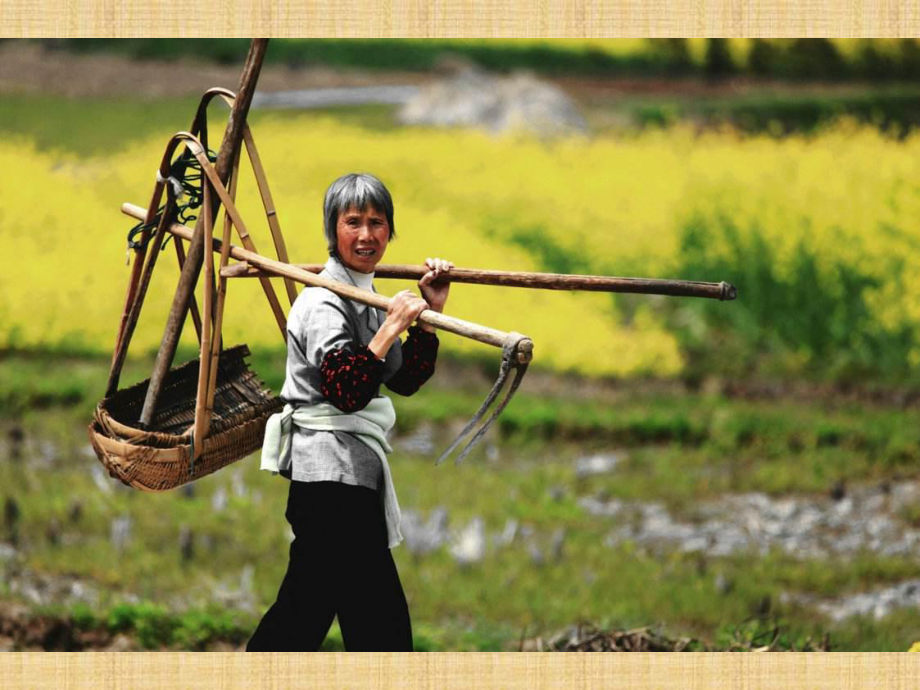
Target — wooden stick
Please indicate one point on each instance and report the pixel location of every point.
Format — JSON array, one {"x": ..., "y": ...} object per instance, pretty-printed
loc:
[
  {"x": 133, "y": 282},
  {"x": 190, "y": 270},
  {"x": 129, "y": 323},
  {"x": 542, "y": 281},
  {"x": 483, "y": 334}
]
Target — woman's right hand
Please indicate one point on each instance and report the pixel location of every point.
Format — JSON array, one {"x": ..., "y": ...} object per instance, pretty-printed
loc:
[{"x": 404, "y": 308}]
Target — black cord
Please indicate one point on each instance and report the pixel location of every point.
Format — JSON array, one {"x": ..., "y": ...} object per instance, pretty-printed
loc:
[{"x": 187, "y": 170}]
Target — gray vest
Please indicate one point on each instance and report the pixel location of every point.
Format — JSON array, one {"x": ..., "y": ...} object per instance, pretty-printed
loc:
[{"x": 320, "y": 321}]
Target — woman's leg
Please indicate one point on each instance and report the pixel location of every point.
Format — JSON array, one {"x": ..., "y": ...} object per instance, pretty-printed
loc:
[
  {"x": 372, "y": 608},
  {"x": 301, "y": 616}
]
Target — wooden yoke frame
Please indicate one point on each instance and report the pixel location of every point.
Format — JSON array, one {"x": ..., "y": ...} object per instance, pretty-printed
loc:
[{"x": 208, "y": 324}]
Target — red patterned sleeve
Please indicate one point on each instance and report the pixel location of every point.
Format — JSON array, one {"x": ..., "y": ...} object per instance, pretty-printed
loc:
[
  {"x": 350, "y": 380},
  {"x": 419, "y": 353}
]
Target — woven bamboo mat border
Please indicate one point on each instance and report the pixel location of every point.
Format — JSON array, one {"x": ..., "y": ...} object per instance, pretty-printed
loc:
[
  {"x": 458, "y": 671},
  {"x": 446, "y": 18},
  {"x": 441, "y": 18}
]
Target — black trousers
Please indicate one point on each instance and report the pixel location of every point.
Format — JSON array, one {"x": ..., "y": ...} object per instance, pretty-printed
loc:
[{"x": 340, "y": 566}]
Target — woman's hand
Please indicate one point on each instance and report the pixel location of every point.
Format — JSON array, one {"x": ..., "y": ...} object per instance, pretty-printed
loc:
[
  {"x": 434, "y": 289},
  {"x": 403, "y": 310}
]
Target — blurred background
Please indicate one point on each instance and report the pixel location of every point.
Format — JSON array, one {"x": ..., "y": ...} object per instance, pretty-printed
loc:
[{"x": 673, "y": 473}]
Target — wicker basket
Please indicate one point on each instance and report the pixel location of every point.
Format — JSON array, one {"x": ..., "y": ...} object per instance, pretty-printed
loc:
[{"x": 160, "y": 459}]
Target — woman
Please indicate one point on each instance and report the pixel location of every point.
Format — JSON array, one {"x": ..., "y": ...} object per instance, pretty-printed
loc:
[{"x": 331, "y": 438}]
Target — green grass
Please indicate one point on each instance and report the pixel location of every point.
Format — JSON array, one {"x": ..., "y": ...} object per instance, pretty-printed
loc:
[
  {"x": 678, "y": 449},
  {"x": 88, "y": 127},
  {"x": 777, "y": 113},
  {"x": 704, "y": 444}
]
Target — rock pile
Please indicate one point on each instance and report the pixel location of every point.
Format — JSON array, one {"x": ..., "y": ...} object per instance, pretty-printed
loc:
[
  {"x": 473, "y": 98},
  {"x": 806, "y": 527}
]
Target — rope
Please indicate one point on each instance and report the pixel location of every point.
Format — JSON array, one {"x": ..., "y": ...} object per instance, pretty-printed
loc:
[{"x": 184, "y": 181}]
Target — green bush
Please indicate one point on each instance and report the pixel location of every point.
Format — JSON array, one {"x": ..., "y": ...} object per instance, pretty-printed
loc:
[
  {"x": 718, "y": 63},
  {"x": 813, "y": 310},
  {"x": 155, "y": 627},
  {"x": 152, "y": 624}
]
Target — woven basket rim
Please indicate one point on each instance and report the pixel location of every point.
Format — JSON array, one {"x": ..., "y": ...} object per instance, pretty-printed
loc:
[{"x": 232, "y": 358}]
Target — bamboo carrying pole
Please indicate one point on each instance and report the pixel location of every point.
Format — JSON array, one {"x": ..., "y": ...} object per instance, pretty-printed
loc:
[
  {"x": 192, "y": 267},
  {"x": 483, "y": 334},
  {"x": 545, "y": 281},
  {"x": 542, "y": 281}
]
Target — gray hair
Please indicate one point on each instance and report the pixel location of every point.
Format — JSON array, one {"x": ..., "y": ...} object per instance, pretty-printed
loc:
[{"x": 354, "y": 190}]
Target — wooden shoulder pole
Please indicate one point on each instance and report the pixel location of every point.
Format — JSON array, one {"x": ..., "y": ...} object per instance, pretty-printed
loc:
[{"x": 190, "y": 271}]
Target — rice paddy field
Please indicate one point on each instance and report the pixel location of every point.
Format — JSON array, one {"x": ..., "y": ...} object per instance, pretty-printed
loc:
[{"x": 739, "y": 473}]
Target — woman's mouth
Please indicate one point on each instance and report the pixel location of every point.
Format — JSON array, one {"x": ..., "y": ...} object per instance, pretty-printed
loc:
[{"x": 365, "y": 252}]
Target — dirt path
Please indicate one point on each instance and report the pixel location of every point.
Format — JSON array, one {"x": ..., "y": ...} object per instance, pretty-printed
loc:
[{"x": 30, "y": 68}]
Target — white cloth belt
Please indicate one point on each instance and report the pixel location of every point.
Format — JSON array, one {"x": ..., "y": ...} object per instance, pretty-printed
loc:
[{"x": 369, "y": 425}]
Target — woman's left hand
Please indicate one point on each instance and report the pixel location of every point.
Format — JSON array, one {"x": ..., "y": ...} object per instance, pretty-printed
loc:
[{"x": 434, "y": 289}]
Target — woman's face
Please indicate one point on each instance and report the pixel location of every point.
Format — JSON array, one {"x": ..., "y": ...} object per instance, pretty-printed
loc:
[{"x": 362, "y": 238}]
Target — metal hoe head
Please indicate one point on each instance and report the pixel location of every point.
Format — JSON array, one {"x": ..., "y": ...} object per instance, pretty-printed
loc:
[{"x": 517, "y": 352}]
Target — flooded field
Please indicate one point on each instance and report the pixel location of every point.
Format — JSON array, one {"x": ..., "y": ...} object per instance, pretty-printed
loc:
[{"x": 663, "y": 517}]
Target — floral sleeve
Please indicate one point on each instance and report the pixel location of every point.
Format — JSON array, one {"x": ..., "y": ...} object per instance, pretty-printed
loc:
[
  {"x": 350, "y": 379},
  {"x": 419, "y": 354}
]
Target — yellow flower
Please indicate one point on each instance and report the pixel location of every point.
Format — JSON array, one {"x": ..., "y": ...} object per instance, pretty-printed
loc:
[{"x": 614, "y": 203}]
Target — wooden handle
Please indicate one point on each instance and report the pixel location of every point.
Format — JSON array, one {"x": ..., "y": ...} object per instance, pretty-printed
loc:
[
  {"x": 482, "y": 334},
  {"x": 543, "y": 281}
]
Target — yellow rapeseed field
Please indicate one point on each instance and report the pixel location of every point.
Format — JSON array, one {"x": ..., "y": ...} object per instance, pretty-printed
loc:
[{"x": 621, "y": 201}]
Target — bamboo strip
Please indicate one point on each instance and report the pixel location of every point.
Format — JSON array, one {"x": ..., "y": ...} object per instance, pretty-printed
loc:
[
  {"x": 202, "y": 413},
  {"x": 243, "y": 233},
  {"x": 221, "y": 291},
  {"x": 139, "y": 256},
  {"x": 193, "y": 302},
  {"x": 269, "y": 205},
  {"x": 129, "y": 323}
]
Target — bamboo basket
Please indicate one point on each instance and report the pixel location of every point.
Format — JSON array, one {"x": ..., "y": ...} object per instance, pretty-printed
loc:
[
  {"x": 162, "y": 459},
  {"x": 208, "y": 412}
]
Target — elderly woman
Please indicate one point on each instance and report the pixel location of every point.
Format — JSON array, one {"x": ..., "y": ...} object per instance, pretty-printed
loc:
[{"x": 331, "y": 438}]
